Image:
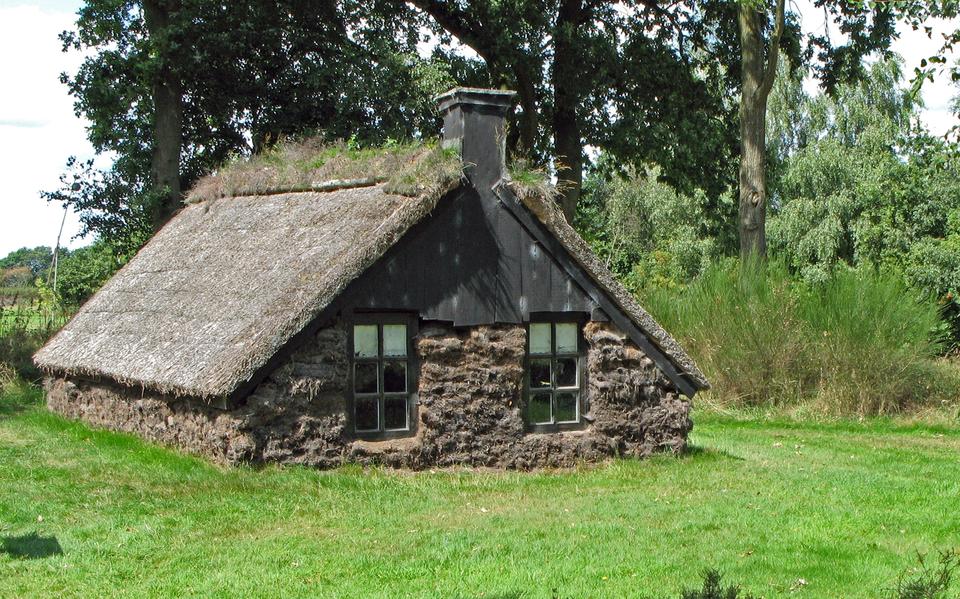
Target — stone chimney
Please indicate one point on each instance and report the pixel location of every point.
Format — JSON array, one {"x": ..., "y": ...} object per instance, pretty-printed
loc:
[{"x": 474, "y": 119}]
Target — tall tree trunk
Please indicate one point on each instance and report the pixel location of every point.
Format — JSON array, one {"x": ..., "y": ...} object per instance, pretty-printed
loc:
[
  {"x": 757, "y": 76},
  {"x": 567, "y": 142},
  {"x": 167, "y": 112},
  {"x": 527, "y": 95}
]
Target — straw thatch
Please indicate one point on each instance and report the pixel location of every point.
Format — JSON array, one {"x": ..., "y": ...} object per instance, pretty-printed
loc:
[
  {"x": 541, "y": 203},
  {"x": 229, "y": 281}
]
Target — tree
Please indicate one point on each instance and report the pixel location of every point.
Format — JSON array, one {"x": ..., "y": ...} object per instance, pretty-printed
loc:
[
  {"x": 160, "y": 17},
  {"x": 758, "y": 71},
  {"x": 869, "y": 27},
  {"x": 623, "y": 78},
  {"x": 194, "y": 82},
  {"x": 36, "y": 259},
  {"x": 863, "y": 183}
]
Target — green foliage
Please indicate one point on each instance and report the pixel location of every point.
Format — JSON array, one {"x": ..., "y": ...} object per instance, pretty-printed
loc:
[
  {"x": 18, "y": 276},
  {"x": 649, "y": 234},
  {"x": 83, "y": 271},
  {"x": 36, "y": 259},
  {"x": 252, "y": 73},
  {"x": 856, "y": 183},
  {"x": 23, "y": 329},
  {"x": 857, "y": 343}
]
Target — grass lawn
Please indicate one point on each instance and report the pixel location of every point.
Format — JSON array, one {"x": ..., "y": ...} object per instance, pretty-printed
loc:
[{"x": 844, "y": 507}]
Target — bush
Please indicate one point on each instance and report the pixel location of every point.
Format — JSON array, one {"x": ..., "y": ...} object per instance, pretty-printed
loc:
[
  {"x": 713, "y": 589},
  {"x": 649, "y": 234},
  {"x": 83, "y": 271},
  {"x": 929, "y": 581},
  {"x": 858, "y": 343}
]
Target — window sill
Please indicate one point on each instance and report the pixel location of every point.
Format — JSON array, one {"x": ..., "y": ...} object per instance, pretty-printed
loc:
[
  {"x": 544, "y": 429},
  {"x": 381, "y": 444}
]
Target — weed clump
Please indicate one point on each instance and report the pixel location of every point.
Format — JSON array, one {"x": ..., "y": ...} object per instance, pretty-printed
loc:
[
  {"x": 929, "y": 580},
  {"x": 713, "y": 588}
]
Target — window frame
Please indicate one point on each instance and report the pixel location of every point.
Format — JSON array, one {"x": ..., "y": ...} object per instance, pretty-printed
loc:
[
  {"x": 580, "y": 389},
  {"x": 379, "y": 319}
]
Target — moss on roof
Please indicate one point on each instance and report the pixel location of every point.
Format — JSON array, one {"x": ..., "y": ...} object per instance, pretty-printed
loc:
[{"x": 411, "y": 169}]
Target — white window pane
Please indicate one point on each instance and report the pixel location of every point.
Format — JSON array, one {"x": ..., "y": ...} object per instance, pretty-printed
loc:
[
  {"x": 365, "y": 341},
  {"x": 566, "y": 338},
  {"x": 540, "y": 342},
  {"x": 394, "y": 339}
]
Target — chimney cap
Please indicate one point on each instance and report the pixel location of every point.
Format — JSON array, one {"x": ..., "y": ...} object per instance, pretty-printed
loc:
[{"x": 475, "y": 96}]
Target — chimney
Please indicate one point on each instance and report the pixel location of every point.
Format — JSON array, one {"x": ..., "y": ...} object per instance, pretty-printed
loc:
[{"x": 474, "y": 119}]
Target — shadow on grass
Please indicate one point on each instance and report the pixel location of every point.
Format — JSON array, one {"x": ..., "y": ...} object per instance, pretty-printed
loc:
[
  {"x": 19, "y": 397},
  {"x": 697, "y": 451},
  {"x": 31, "y": 546}
]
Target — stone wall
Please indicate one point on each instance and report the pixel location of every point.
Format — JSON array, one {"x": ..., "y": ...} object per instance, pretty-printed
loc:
[
  {"x": 470, "y": 407},
  {"x": 296, "y": 415}
]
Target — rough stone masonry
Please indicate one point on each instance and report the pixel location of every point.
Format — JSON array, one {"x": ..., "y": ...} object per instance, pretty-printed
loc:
[{"x": 470, "y": 410}]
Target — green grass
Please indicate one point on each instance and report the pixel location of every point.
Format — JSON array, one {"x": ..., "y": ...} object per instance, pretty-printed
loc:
[{"x": 844, "y": 506}]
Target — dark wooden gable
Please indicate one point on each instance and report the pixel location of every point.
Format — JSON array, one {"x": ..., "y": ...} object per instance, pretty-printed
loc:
[{"x": 471, "y": 262}]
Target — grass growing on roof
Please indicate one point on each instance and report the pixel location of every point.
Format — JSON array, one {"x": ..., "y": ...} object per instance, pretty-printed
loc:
[
  {"x": 530, "y": 181},
  {"x": 411, "y": 169},
  {"x": 843, "y": 506}
]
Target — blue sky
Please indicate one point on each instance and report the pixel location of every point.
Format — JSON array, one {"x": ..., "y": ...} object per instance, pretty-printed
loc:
[{"x": 38, "y": 129}]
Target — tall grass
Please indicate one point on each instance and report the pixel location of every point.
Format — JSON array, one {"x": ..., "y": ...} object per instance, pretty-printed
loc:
[
  {"x": 23, "y": 329},
  {"x": 859, "y": 344}
]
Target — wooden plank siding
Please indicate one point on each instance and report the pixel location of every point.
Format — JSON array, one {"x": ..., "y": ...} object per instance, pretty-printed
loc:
[{"x": 470, "y": 263}]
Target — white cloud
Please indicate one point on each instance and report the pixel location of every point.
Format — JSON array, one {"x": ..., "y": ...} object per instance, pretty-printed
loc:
[{"x": 38, "y": 129}]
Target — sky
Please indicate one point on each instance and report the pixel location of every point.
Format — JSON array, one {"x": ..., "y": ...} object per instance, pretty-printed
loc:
[{"x": 39, "y": 131}]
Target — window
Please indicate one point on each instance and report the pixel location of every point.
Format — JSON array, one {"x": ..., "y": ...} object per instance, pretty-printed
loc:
[
  {"x": 382, "y": 377},
  {"x": 553, "y": 375}
]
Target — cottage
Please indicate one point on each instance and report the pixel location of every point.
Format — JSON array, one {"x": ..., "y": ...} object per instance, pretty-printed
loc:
[{"x": 409, "y": 316}]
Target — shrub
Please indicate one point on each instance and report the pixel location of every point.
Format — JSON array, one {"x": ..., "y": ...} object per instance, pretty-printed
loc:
[
  {"x": 858, "y": 343},
  {"x": 84, "y": 270},
  {"x": 713, "y": 589},
  {"x": 928, "y": 581},
  {"x": 649, "y": 234}
]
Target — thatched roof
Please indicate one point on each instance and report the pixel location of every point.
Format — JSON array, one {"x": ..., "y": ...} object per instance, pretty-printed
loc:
[
  {"x": 259, "y": 251},
  {"x": 540, "y": 202},
  {"x": 229, "y": 281}
]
